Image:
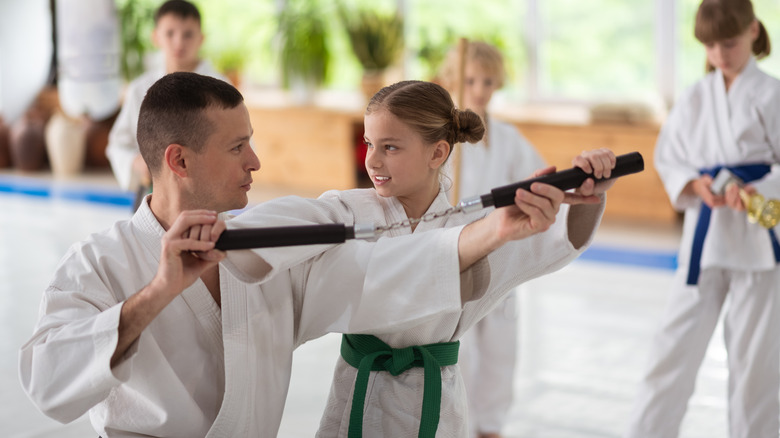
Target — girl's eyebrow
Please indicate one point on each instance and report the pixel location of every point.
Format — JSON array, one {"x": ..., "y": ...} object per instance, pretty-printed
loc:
[{"x": 386, "y": 139}]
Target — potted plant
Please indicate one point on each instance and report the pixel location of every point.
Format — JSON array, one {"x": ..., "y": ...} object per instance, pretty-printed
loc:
[
  {"x": 304, "y": 53},
  {"x": 377, "y": 39},
  {"x": 136, "y": 20},
  {"x": 230, "y": 61}
]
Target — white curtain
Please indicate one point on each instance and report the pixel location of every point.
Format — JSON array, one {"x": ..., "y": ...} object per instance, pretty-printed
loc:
[{"x": 25, "y": 54}]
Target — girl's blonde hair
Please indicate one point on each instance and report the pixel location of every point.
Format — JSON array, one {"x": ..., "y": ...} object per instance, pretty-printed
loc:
[
  {"x": 723, "y": 19},
  {"x": 428, "y": 109},
  {"x": 487, "y": 56}
]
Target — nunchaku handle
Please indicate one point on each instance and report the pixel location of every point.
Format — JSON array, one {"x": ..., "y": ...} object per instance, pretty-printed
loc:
[
  {"x": 246, "y": 238},
  {"x": 566, "y": 179}
]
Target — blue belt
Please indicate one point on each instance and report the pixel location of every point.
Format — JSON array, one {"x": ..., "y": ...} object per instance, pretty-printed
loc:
[{"x": 747, "y": 173}]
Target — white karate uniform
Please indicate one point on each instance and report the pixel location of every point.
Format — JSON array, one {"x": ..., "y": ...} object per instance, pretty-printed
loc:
[
  {"x": 393, "y": 404},
  {"x": 201, "y": 370},
  {"x": 709, "y": 127},
  {"x": 489, "y": 349},
  {"x": 122, "y": 143}
]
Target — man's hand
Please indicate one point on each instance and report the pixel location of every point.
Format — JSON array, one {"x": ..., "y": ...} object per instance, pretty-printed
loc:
[
  {"x": 599, "y": 163},
  {"x": 187, "y": 252}
]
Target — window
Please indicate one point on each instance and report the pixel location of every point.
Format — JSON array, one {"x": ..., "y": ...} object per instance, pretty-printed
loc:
[
  {"x": 564, "y": 50},
  {"x": 434, "y": 26},
  {"x": 594, "y": 50}
]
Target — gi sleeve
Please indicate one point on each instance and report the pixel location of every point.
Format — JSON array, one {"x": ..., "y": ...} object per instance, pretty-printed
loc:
[
  {"x": 671, "y": 160},
  {"x": 122, "y": 144},
  {"x": 253, "y": 266},
  {"x": 523, "y": 260},
  {"x": 65, "y": 366},
  {"x": 387, "y": 286},
  {"x": 769, "y": 115}
]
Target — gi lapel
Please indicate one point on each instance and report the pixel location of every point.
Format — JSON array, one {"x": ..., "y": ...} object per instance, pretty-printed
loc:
[{"x": 722, "y": 117}]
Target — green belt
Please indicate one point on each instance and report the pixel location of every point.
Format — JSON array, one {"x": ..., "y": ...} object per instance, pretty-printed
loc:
[{"x": 368, "y": 353}]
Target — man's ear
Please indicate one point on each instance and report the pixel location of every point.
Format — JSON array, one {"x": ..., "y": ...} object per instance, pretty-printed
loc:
[
  {"x": 153, "y": 36},
  {"x": 441, "y": 150},
  {"x": 202, "y": 39},
  {"x": 175, "y": 159}
]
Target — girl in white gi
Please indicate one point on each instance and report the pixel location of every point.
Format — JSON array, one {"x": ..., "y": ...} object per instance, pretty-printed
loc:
[
  {"x": 730, "y": 119},
  {"x": 177, "y": 33},
  {"x": 488, "y": 351},
  {"x": 410, "y": 127}
]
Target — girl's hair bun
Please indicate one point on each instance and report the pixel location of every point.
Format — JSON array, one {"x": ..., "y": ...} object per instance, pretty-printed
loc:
[{"x": 467, "y": 126}]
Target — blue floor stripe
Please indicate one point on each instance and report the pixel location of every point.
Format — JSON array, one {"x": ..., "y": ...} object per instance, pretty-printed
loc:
[
  {"x": 32, "y": 187},
  {"x": 631, "y": 257}
]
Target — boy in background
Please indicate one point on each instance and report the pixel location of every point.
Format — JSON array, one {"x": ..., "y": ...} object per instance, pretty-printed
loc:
[{"x": 177, "y": 33}]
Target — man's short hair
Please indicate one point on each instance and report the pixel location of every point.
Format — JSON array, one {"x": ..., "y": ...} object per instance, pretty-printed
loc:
[
  {"x": 180, "y": 8},
  {"x": 173, "y": 112}
]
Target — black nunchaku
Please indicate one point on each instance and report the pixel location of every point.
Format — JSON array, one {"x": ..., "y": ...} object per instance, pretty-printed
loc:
[{"x": 247, "y": 238}]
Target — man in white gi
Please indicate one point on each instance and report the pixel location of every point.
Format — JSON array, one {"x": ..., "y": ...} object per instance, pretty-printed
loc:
[{"x": 142, "y": 327}]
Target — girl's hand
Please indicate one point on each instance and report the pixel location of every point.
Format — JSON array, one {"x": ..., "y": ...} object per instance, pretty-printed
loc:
[
  {"x": 732, "y": 198},
  {"x": 534, "y": 212},
  {"x": 701, "y": 187},
  {"x": 599, "y": 163}
]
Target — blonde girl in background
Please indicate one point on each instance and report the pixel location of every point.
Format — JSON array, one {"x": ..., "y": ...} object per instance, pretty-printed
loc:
[
  {"x": 502, "y": 156},
  {"x": 729, "y": 119}
]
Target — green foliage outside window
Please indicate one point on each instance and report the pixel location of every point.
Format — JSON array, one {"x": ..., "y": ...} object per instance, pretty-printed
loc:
[
  {"x": 376, "y": 38},
  {"x": 240, "y": 33},
  {"x": 303, "y": 48},
  {"x": 436, "y": 25},
  {"x": 136, "y": 19},
  {"x": 599, "y": 49}
]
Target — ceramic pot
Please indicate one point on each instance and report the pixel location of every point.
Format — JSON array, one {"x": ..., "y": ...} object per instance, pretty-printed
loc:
[
  {"x": 5, "y": 148},
  {"x": 66, "y": 143},
  {"x": 27, "y": 143},
  {"x": 371, "y": 82}
]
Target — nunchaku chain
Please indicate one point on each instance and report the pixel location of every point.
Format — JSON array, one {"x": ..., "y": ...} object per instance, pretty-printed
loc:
[
  {"x": 427, "y": 217},
  {"x": 369, "y": 231}
]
